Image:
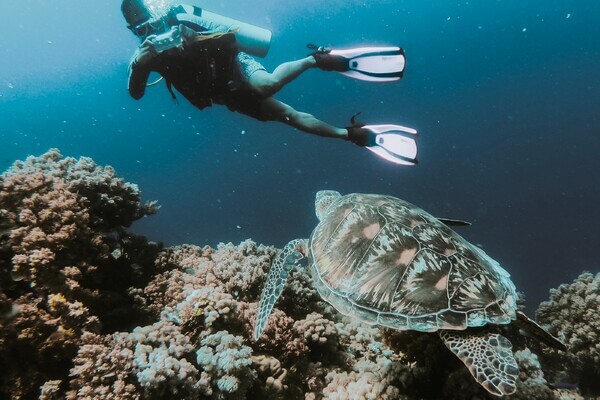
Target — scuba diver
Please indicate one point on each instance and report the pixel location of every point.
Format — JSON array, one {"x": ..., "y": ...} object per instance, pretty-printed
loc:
[{"x": 207, "y": 58}]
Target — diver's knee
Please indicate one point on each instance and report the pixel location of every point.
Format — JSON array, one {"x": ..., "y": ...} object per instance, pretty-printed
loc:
[
  {"x": 297, "y": 117},
  {"x": 287, "y": 115},
  {"x": 265, "y": 85}
]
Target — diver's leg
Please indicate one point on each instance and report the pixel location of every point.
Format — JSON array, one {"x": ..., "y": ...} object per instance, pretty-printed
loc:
[
  {"x": 275, "y": 110},
  {"x": 267, "y": 84}
]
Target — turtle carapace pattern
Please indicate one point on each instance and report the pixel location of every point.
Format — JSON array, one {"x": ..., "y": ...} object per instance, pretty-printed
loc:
[{"x": 387, "y": 262}]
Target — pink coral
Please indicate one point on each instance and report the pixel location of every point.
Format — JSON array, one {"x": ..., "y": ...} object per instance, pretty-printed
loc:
[{"x": 103, "y": 369}]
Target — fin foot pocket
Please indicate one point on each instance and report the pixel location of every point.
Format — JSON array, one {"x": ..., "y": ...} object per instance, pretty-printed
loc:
[
  {"x": 374, "y": 64},
  {"x": 328, "y": 61}
]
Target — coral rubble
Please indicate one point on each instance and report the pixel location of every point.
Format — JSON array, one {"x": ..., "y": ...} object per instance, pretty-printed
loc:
[{"x": 93, "y": 312}]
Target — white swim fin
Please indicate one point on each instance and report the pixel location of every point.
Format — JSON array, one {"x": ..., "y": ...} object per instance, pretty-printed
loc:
[
  {"x": 374, "y": 64},
  {"x": 394, "y": 143}
]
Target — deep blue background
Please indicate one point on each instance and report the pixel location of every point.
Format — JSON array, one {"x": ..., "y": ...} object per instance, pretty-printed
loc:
[{"x": 505, "y": 94}]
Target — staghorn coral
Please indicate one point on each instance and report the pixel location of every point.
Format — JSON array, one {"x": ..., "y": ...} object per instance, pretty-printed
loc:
[{"x": 573, "y": 314}]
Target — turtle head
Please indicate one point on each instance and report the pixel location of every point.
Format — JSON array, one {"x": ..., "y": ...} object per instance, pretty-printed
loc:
[{"x": 323, "y": 200}]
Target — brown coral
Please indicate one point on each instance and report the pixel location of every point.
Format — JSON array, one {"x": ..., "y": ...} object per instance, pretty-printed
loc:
[
  {"x": 60, "y": 220},
  {"x": 83, "y": 284},
  {"x": 573, "y": 314}
]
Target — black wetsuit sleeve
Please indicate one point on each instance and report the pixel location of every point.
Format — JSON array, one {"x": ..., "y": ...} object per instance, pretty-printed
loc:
[{"x": 138, "y": 77}]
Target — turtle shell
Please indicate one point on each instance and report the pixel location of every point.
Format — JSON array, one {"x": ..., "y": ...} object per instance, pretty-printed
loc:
[{"x": 388, "y": 262}]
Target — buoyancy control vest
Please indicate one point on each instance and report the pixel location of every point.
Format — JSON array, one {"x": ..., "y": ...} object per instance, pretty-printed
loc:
[{"x": 202, "y": 71}]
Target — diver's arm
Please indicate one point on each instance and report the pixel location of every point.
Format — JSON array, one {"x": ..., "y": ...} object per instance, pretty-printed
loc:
[{"x": 139, "y": 69}]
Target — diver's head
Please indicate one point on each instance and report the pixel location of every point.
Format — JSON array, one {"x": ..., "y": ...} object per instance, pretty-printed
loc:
[
  {"x": 135, "y": 13},
  {"x": 145, "y": 17}
]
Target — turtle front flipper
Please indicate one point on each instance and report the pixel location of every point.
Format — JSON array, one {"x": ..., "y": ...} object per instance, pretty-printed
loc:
[
  {"x": 489, "y": 358},
  {"x": 286, "y": 259}
]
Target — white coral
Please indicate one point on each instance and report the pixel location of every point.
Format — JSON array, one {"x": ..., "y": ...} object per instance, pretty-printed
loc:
[{"x": 227, "y": 361}]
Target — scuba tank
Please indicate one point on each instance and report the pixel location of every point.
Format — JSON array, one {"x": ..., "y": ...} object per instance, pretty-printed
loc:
[{"x": 250, "y": 38}]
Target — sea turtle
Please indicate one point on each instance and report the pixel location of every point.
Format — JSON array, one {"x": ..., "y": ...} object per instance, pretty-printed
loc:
[{"x": 388, "y": 262}]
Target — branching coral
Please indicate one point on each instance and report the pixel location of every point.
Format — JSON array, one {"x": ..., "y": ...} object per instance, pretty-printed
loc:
[
  {"x": 58, "y": 210},
  {"x": 95, "y": 313},
  {"x": 226, "y": 365},
  {"x": 151, "y": 362},
  {"x": 370, "y": 380},
  {"x": 279, "y": 337},
  {"x": 371, "y": 369},
  {"x": 104, "y": 369},
  {"x": 431, "y": 361},
  {"x": 61, "y": 221},
  {"x": 531, "y": 384}
]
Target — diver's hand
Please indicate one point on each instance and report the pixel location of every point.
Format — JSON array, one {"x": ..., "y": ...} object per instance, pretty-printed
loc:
[{"x": 145, "y": 52}]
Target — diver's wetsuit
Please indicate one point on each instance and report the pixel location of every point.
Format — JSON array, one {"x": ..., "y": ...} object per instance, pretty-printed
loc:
[{"x": 207, "y": 72}]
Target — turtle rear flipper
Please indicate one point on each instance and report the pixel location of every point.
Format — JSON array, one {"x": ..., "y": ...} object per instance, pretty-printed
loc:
[
  {"x": 531, "y": 328},
  {"x": 278, "y": 275},
  {"x": 489, "y": 358}
]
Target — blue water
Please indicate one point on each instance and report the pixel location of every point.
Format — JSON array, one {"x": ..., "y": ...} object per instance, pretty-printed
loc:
[{"x": 505, "y": 95}]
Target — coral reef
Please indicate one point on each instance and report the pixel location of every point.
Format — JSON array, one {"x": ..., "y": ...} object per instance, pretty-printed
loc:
[
  {"x": 66, "y": 264},
  {"x": 93, "y": 312},
  {"x": 573, "y": 315}
]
